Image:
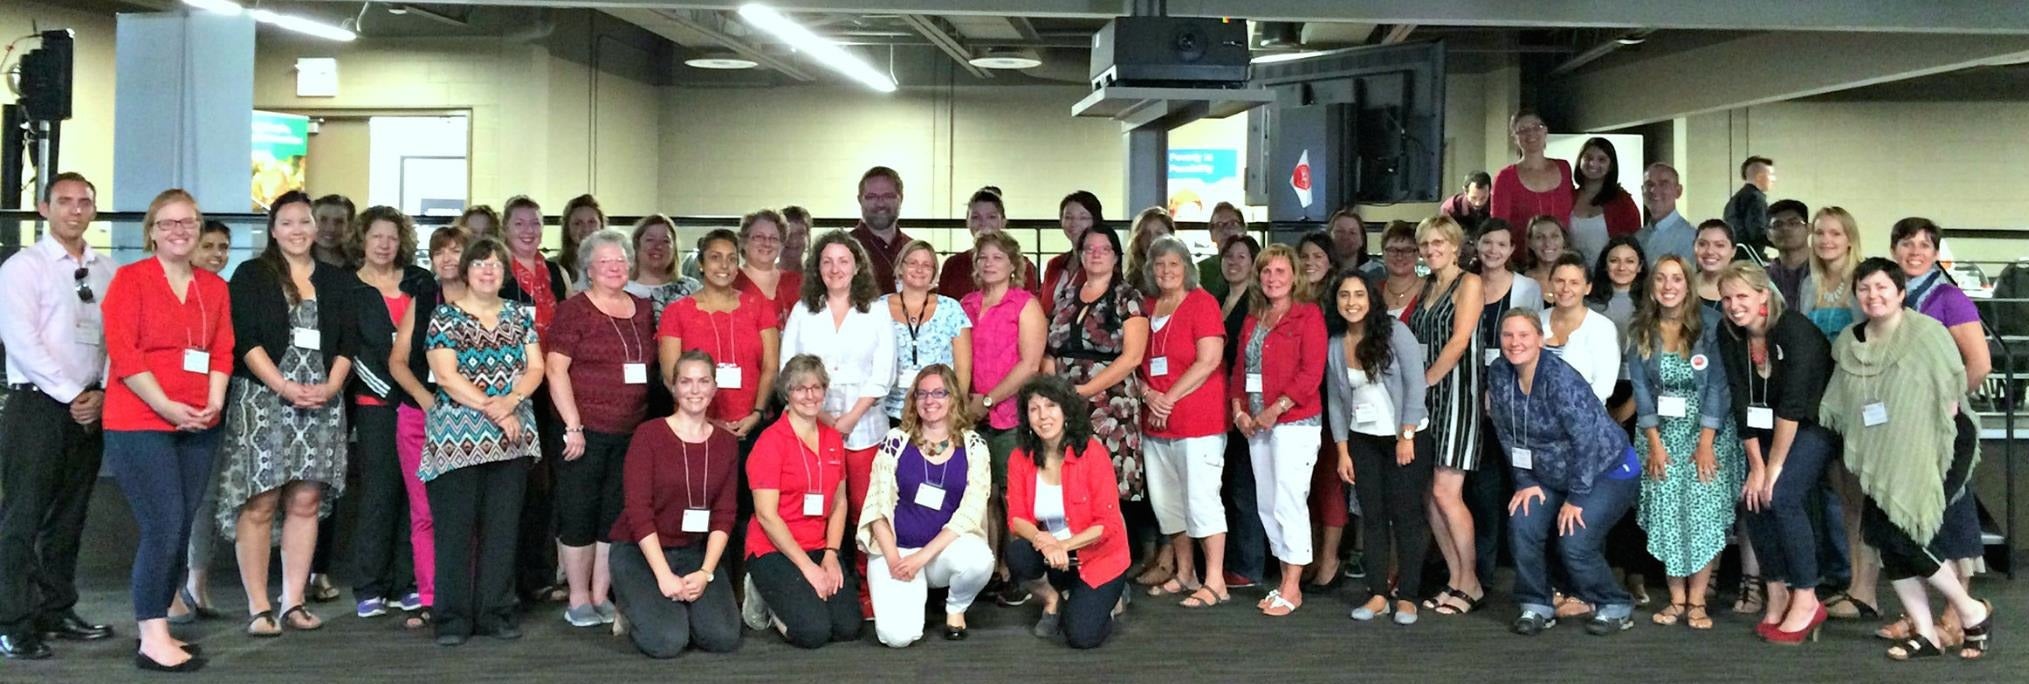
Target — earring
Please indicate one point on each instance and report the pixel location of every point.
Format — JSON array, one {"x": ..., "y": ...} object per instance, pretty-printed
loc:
[{"x": 1764, "y": 310}]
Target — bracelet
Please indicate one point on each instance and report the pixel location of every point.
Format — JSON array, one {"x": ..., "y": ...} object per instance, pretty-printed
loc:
[{"x": 574, "y": 430}]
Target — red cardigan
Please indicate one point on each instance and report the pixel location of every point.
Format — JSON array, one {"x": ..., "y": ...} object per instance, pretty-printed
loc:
[
  {"x": 1292, "y": 362},
  {"x": 1623, "y": 216},
  {"x": 1091, "y": 497}
]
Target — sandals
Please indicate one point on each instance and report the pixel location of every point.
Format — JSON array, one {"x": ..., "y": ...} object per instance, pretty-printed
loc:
[
  {"x": 1438, "y": 598},
  {"x": 263, "y": 625},
  {"x": 1695, "y": 616},
  {"x": 1913, "y": 648},
  {"x": 1173, "y": 587},
  {"x": 1977, "y": 635},
  {"x": 1447, "y": 607},
  {"x": 1280, "y": 606},
  {"x": 1204, "y": 597},
  {"x": 1753, "y": 595},
  {"x": 418, "y": 620},
  {"x": 1569, "y": 606},
  {"x": 306, "y": 623},
  {"x": 321, "y": 590},
  {"x": 1842, "y": 606},
  {"x": 1156, "y": 573},
  {"x": 1670, "y": 614},
  {"x": 1899, "y": 630},
  {"x": 1273, "y": 594}
]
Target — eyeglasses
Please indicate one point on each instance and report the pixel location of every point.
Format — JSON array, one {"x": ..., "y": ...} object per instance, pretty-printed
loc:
[
  {"x": 84, "y": 289},
  {"x": 807, "y": 389},
  {"x": 1532, "y": 129},
  {"x": 1399, "y": 251},
  {"x": 939, "y": 393},
  {"x": 485, "y": 266},
  {"x": 165, "y": 224}
]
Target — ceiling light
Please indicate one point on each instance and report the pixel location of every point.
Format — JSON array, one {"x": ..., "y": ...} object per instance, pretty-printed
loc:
[
  {"x": 301, "y": 25},
  {"x": 1274, "y": 57},
  {"x": 720, "y": 60},
  {"x": 1633, "y": 38},
  {"x": 1005, "y": 58},
  {"x": 822, "y": 49},
  {"x": 226, "y": 7}
]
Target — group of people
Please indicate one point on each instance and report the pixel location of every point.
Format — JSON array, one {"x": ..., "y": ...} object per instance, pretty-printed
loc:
[{"x": 809, "y": 432}]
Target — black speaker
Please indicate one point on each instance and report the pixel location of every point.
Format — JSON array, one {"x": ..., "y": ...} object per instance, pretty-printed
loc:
[
  {"x": 45, "y": 78},
  {"x": 1170, "y": 51}
]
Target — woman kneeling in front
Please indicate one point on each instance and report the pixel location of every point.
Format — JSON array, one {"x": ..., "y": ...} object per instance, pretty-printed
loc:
[
  {"x": 797, "y": 472},
  {"x": 1569, "y": 456},
  {"x": 1063, "y": 512},
  {"x": 923, "y": 524},
  {"x": 680, "y": 490}
]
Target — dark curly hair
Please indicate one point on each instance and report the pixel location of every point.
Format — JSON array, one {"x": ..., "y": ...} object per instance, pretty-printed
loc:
[
  {"x": 1077, "y": 416},
  {"x": 1602, "y": 284},
  {"x": 863, "y": 290},
  {"x": 1372, "y": 354}
]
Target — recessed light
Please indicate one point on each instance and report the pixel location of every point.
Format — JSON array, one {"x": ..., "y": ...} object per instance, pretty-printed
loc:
[
  {"x": 1005, "y": 62},
  {"x": 724, "y": 62}
]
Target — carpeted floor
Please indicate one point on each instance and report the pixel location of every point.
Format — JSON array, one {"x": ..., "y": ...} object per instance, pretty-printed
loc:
[{"x": 1161, "y": 642}]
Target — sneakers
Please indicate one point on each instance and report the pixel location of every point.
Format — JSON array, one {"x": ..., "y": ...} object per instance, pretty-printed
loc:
[
  {"x": 1012, "y": 594},
  {"x": 754, "y": 610},
  {"x": 1532, "y": 624},
  {"x": 371, "y": 608},
  {"x": 583, "y": 616},
  {"x": 1602, "y": 626},
  {"x": 606, "y": 612},
  {"x": 1046, "y": 628},
  {"x": 411, "y": 602},
  {"x": 1355, "y": 566}
]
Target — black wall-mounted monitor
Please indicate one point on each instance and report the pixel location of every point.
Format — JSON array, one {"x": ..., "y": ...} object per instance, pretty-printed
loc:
[{"x": 1368, "y": 121}]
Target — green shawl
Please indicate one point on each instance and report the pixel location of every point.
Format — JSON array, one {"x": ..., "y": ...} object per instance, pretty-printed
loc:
[{"x": 1916, "y": 372}]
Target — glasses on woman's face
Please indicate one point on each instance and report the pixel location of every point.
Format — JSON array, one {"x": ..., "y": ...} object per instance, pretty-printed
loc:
[
  {"x": 488, "y": 266},
  {"x": 168, "y": 224},
  {"x": 1408, "y": 251},
  {"x": 807, "y": 389},
  {"x": 939, "y": 393}
]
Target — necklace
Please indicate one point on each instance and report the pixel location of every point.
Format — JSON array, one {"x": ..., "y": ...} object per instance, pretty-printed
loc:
[
  {"x": 1405, "y": 291},
  {"x": 933, "y": 450}
]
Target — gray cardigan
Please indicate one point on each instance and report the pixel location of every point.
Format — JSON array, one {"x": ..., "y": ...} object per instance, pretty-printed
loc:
[{"x": 1403, "y": 377}]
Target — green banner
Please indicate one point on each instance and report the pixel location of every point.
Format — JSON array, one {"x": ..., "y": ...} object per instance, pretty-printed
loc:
[{"x": 281, "y": 144}]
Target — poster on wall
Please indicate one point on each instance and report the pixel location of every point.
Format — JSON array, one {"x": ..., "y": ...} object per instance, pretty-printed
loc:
[
  {"x": 281, "y": 145},
  {"x": 1202, "y": 177}
]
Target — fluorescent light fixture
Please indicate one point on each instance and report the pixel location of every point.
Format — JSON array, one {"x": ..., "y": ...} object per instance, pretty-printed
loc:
[
  {"x": 301, "y": 25},
  {"x": 1001, "y": 58},
  {"x": 1272, "y": 58},
  {"x": 824, "y": 50},
  {"x": 720, "y": 60},
  {"x": 226, "y": 7}
]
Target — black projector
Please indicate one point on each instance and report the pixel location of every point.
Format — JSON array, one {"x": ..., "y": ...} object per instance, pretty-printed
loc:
[{"x": 1172, "y": 52}]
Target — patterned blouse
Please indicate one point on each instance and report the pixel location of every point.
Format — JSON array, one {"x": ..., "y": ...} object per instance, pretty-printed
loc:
[
  {"x": 456, "y": 435},
  {"x": 923, "y": 345},
  {"x": 661, "y": 295}
]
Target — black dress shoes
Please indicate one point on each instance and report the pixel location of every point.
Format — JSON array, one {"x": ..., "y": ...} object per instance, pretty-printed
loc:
[
  {"x": 70, "y": 627},
  {"x": 30, "y": 647},
  {"x": 147, "y": 664}
]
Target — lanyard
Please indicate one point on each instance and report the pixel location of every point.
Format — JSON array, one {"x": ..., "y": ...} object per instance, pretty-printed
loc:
[
  {"x": 732, "y": 350},
  {"x": 914, "y": 324},
  {"x": 943, "y": 471},
  {"x": 630, "y": 355},
  {"x": 810, "y": 480},
  {"x": 1748, "y": 345},
  {"x": 1168, "y": 326},
  {"x": 704, "y": 485},
  {"x": 1515, "y": 395},
  {"x": 191, "y": 291}
]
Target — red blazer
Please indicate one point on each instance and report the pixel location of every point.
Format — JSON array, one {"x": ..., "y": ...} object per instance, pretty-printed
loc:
[
  {"x": 1292, "y": 362},
  {"x": 1091, "y": 497}
]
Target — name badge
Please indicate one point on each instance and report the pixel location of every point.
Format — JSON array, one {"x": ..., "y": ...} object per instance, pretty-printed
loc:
[
  {"x": 1254, "y": 383},
  {"x": 1672, "y": 407},
  {"x": 634, "y": 373},
  {"x": 1521, "y": 458},
  {"x": 1874, "y": 414},
  {"x": 433, "y": 378},
  {"x": 696, "y": 519},
  {"x": 305, "y": 338},
  {"x": 727, "y": 376},
  {"x": 197, "y": 361},
  {"x": 393, "y": 337},
  {"x": 1366, "y": 413},
  {"x": 1061, "y": 533},
  {"x": 1158, "y": 367},
  {"x": 813, "y": 505},
  {"x": 89, "y": 332},
  {"x": 1761, "y": 417},
  {"x": 1490, "y": 355},
  {"x": 930, "y": 496}
]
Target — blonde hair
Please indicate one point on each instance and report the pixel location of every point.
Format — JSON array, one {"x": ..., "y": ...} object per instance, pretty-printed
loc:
[
  {"x": 1835, "y": 279},
  {"x": 1755, "y": 278},
  {"x": 1008, "y": 245},
  {"x": 961, "y": 420},
  {"x": 913, "y": 247},
  {"x": 1441, "y": 226},
  {"x": 166, "y": 198},
  {"x": 1257, "y": 300}
]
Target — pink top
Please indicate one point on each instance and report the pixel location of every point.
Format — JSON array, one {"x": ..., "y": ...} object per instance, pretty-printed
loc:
[
  {"x": 1516, "y": 203},
  {"x": 996, "y": 347},
  {"x": 395, "y": 306}
]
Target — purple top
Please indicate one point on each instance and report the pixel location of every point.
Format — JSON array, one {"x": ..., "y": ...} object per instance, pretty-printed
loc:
[
  {"x": 996, "y": 348},
  {"x": 1949, "y": 305},
  {"x": 916, "y": 525}
]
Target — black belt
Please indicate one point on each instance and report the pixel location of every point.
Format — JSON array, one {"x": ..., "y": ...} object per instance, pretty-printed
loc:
[{"x": 31, "y": 387}]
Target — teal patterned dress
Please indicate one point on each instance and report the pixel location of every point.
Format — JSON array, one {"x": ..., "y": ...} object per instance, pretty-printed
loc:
[{"x": 1687, "y": 519}]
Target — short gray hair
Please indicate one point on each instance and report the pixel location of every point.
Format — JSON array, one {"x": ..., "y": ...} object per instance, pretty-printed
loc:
[
  {"x": 1169, "y": 244},
  {"x": 605, "y": 236}
]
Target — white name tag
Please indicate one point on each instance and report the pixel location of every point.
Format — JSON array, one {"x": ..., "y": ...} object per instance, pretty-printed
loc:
[
  {"x": 930, "y": 496},
  {"x": 696, "y": 520},
  {"x": 1254, "y": 383},
  {"x": 1158, "y": 367},
  {"x": 305, "y": 338},
  {"x": 393, "y": 337},
  {"x": 1874, "y": 414},
  {"x": 1521, "y": 458},
  {"x": 1061, "y": 533},
  {"x": 1491, "y": 354},
  {"x": 1760, "y": 417},
  {"x": 1671, "y": 407},
  {"x": 634, "y": 373},
  {"x": 813, "y": 505},
  {"x": 88, "y": 332},
  {"x": 433, "y": 377},
  {"x": 1365, "y": 413},
  {"x": 197, "y": 361},
  {"x": 727, "y": 376}
]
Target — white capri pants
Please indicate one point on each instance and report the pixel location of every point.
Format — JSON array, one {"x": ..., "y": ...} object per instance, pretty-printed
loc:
[
  {"x": 1283, "y": 458},
  {"x": 1183, "y": 484},
  {"x": 964, "y": 566}
]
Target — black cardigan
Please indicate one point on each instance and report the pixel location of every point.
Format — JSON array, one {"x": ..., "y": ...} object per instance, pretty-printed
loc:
[
  {"x": 1801, "y": 363},
  {"x": 425, "y": 296},
  {"x": 260, "y": 314},
  {"x": 370, "y": 377},
  {"x": 510, "y": 287}
]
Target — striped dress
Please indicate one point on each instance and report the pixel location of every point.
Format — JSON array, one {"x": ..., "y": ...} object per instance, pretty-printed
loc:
[{"x": 1454, "y": 400}]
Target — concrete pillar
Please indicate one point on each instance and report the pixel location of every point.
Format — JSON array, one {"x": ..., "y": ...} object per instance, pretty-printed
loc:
[
  {"x": 183, "y": 116},
  {"x": 1147, "y": 173}
]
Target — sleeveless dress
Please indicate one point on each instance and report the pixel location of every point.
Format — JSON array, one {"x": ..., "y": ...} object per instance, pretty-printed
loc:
[
  {"x": 270, "y": 443},
  {"x": 1454, "y": 400},
  {"x": 1687, "y": 519}
]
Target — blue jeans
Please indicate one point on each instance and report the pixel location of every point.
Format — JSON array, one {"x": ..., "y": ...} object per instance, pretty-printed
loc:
[
  {"x": 1581, "y": 552},
  {"x": 1783, "y": 537},
  {"x": 163, "y": 474}
]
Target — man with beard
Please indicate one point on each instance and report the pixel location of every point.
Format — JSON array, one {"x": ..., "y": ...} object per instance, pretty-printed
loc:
[{"x": 880, "y": 198}]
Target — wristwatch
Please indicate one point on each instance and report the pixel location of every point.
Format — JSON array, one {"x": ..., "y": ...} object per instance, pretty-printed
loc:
[
  {"x": 1407, "y": 434},
  {"x": 987, "y": 402}
]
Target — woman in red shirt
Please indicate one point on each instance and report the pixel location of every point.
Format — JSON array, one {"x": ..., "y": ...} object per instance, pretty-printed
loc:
[
  {"x": 1600, "y": 208},
  {"x": 797, "y": 472},
  {"x": 1063, "y": 513},
  {"x": 169, "y": 342},
  {"x": 1077, "y": 213},
  {"x": 738, "y": 328},
  {"x": 1534, "y": 185},
  {"x": 760, "y": 270},
  {"x": 1183, "y": 429},
  {"x": 1276, "y": 392}
]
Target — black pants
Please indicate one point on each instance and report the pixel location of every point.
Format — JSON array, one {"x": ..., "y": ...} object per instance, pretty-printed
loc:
[
  {"x": 476, "y": 509},
  {"x": 1246, "y": 541},
  {"x": 535, "y": 564},
  {"x": 383, "y": 565},
  {"x": 811, "y": 621},
  {"x": 48, "y": 467},
  {"x": 1086, "y": 611},
  {"x": 662, "y": 628},
  {"x": 1392, "y": 508},
  {"x": 1486, "y": 494},
  {"x": 588, "y": 490}
]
